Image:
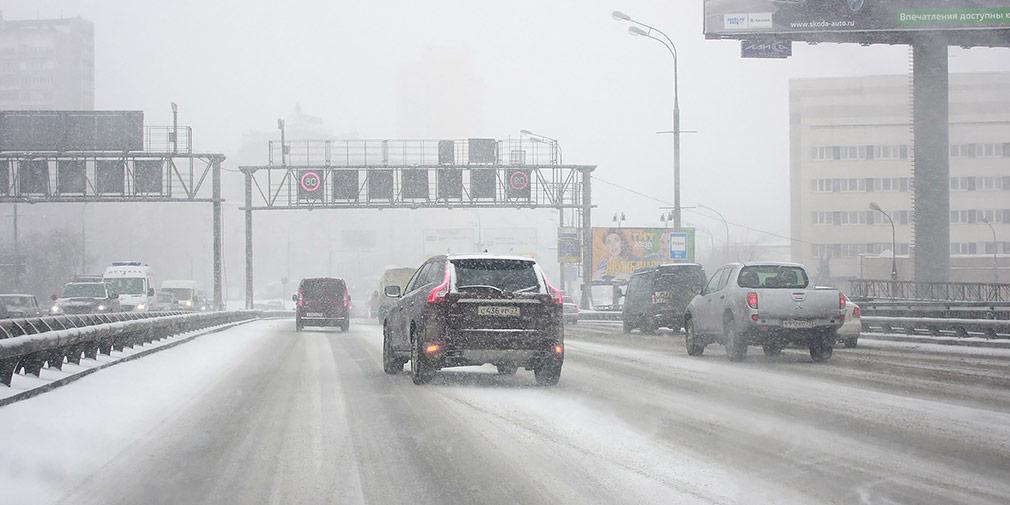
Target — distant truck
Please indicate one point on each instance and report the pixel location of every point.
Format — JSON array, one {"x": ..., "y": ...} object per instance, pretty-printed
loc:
[
  {"x": 185, "y": 292},
  {"x": 766, "y": 304},
  {"x": 133, "y": 282},
  {"x": 380, "y": 304}
]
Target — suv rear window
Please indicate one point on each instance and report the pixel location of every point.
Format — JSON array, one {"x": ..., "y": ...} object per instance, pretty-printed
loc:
[
  {"x": 506, "y": 275},
  {"x": 691, "y": 278},
  {"x": 772, "y": 276},
  {"x": 322, "y": 288}
]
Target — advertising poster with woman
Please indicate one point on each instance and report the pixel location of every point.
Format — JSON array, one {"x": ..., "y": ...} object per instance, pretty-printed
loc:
[{"x": 617, "y": 252}]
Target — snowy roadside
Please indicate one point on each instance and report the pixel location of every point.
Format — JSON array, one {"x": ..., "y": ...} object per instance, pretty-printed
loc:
[{"x": 26, "y": 386}]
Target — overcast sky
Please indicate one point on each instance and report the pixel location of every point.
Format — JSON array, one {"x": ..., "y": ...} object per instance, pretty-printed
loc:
[{"x": 435, "y": 68}]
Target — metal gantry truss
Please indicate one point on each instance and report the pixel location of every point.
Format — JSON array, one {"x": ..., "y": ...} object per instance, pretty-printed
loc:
[
  {"x": 166, "y": 171},
  {"x": 417, "y": 174}
]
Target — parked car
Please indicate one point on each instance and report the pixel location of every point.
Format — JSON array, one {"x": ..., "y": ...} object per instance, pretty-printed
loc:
[
  {"x": 848, "y": 334},
  {"x": 17, "y": 305},
  {"x": 766, "y": 304},
  {"x": 570, "y": 310},
  {"x": 322, "y": 301},
  {"x": 658, "y": 296},
  {"x": 475, "y": 310},
  {"x": 85, "y": 298}
]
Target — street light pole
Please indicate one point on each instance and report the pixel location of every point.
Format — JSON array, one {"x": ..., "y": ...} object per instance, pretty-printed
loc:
[
  {"x": 284, "y": 145},
  {"x": 556, "y": 148},
  {"x": 175, "y": 128},
  {"x": 667, "y": 42},
  {"x": 894, "y": 243},
  {"x": 995, "y": 260},
  {"x": 17, "y": 257}
]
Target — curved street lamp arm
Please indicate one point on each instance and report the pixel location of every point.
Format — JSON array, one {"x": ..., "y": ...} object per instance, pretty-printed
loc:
[{"x": 672, "y": 46}]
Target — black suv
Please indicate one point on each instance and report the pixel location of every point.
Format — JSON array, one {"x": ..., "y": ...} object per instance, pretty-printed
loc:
[
  {"x": 322, "y": 301},
  {"x": 658, "y": 296},
  {"x": 474, "y": 310}
]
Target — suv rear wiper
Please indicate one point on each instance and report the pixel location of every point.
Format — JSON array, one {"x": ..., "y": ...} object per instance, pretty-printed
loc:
[
  {"x": 527, "y": 288},
  {"x": 482, "y": 286}
]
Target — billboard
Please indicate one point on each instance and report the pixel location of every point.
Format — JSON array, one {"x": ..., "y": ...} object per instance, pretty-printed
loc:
[
  {"x": 617, "y": 252},
  {"x": 71, "y": 131},
  {"x": 746, "y": 18}
]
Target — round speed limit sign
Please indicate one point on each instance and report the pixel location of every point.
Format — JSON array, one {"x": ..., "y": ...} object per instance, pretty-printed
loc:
[
  {"x": 310, "y": 181},
  {"x": 519, "y": 180}
]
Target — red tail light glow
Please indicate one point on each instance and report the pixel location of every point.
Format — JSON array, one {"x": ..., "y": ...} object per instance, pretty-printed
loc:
[
  {"x": 556, "y": 297},
  {"x": 301, "y": 301},
  {"x": 432, "y": 348},
  {"x": 752, "y": 300},
  {"x": 437, "y": 295},
  {"x": 558, "y": 349},
  {"x": 347, "y": 300},
  {"x": 841, "y": 301}
]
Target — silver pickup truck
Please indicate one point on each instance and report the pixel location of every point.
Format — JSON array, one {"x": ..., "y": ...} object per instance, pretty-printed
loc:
[{"x": 766, "y": 304}]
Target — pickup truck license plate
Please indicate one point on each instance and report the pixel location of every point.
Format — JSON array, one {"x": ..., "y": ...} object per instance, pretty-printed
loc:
[
  {"x": 490, "y": 310},
  {"x": 793, "y": 323}
]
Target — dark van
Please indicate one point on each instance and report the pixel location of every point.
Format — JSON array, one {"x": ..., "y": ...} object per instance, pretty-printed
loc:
[
  {"x": 658, "y": 296},
  {"x": 322, "y": 301}
]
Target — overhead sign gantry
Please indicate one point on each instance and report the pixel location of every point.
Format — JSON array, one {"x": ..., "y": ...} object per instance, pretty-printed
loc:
[{"x": 469, "y": 173}]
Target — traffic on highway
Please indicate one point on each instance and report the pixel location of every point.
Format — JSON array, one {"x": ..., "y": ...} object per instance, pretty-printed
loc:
[{"x": 309, "y": 252}]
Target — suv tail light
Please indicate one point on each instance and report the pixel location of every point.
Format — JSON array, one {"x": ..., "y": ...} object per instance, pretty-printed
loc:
[
  {"x": 752, "y": 300},
  {"x": 301, "y": 300},
  {"x": 841, "y": 301},
  {"x": 556, "y": 297},
  {"x": 856, "y": 313},
  {"x": 347, "y": 300},
  {"x": 437, "y": 295}
]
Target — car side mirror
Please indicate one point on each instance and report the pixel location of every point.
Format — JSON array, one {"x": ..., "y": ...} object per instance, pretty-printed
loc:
[
  {"x": 150, "y": 291},
  {"x": 294, "y": 298},
  {"x": 54, "y": 298},
  {"x": 392, "y": 291}
]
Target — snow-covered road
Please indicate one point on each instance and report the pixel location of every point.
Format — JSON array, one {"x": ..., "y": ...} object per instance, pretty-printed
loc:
[{"x": 261, "y": 414}]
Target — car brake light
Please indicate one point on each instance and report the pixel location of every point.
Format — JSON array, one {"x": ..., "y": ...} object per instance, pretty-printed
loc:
[
  {"x": 556, "y": 296},
  {"x": 752, "y": 300},
  {"x": 654, "y": 298},
  {"x": 856, "y": 312},
  {"x": 301, "y": 301},
  {"x": 437, "y": 295},
  {"x": 558, "y": 349},
  {"x": 432, "y": 348},
  {"x": 347, "y": 300},
  {"x": 841, "y": 301}
]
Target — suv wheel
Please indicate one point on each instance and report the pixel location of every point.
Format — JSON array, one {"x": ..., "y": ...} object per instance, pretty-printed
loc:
[
  {"x": 298, "y": 324},
  {"x": 344, "y": 326},
  {"x": 851, "y": 342},
  {"x": 695, "y": 346},
  {"x": 649, "y": 325},
  {"x": 390, "y": 364},
  {"x": 627, "y": 326},
  {"x": 822, "y": 351},
  {"x": 548, "y": 373},
  {"x": 736, "y": 348},
  {"x": 507, "y": 369},
  {"x": 772, "y": 350},
  {"x": 421, "y": 372}
]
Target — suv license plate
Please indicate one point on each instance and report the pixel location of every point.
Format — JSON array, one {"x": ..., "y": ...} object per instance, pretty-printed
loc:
[
  {"x": 797, "y": 324},
  {"x": 498, "y": 311}
]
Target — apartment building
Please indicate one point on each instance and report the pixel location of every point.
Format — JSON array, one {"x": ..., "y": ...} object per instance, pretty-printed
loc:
[
  {"x": 47, "y": 64},
  {"x": 851, "y": 145}
]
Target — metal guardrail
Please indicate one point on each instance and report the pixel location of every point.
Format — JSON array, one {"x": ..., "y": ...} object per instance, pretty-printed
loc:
[
  {"x": 933, "y": 309},
  {"x": 27, "y": 345},
  {"x": 938, "y": 291},
  {"x": 938, "y": 327}
]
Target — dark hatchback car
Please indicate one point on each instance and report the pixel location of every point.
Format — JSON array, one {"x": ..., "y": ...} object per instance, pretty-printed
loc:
[
  {"x": 475, "y": 310},
  {"x": 322, "y": 301},
  {"x": 658, "y": 296}
]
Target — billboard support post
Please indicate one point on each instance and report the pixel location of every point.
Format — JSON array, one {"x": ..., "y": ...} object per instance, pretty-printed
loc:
[
  {"x": 587, "y": 240},
  {"x": 931, "y": 160}
]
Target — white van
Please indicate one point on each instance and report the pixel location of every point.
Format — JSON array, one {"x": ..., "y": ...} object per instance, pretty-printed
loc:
[
  {"x": 186, "y": 297},
  {"x": 132, "y": 281}
]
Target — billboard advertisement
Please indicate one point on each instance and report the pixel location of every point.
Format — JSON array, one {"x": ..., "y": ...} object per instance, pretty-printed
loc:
[
  {"x": 617, "y": 252},
  {"x": 742, "y": 18}
]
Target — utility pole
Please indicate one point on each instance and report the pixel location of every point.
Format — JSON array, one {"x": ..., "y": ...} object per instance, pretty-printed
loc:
[{"x": 17, "y": 255}]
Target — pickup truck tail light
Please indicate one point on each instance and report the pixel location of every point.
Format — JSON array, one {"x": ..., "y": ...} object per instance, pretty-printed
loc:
[
  {"x": 437, "y": 295},
  {"x": 841, "y": 301},
  {"x": 752, "y": 300},
  {"x": 556, "y": 297}
]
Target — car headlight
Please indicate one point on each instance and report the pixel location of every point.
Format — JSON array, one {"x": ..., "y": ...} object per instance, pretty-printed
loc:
[
  {"x": 55, "y": 309},
  {"x": 189, "y": 303},
  {"x": 140, "y": 306},
  {"x": 101, "y": 307}
]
